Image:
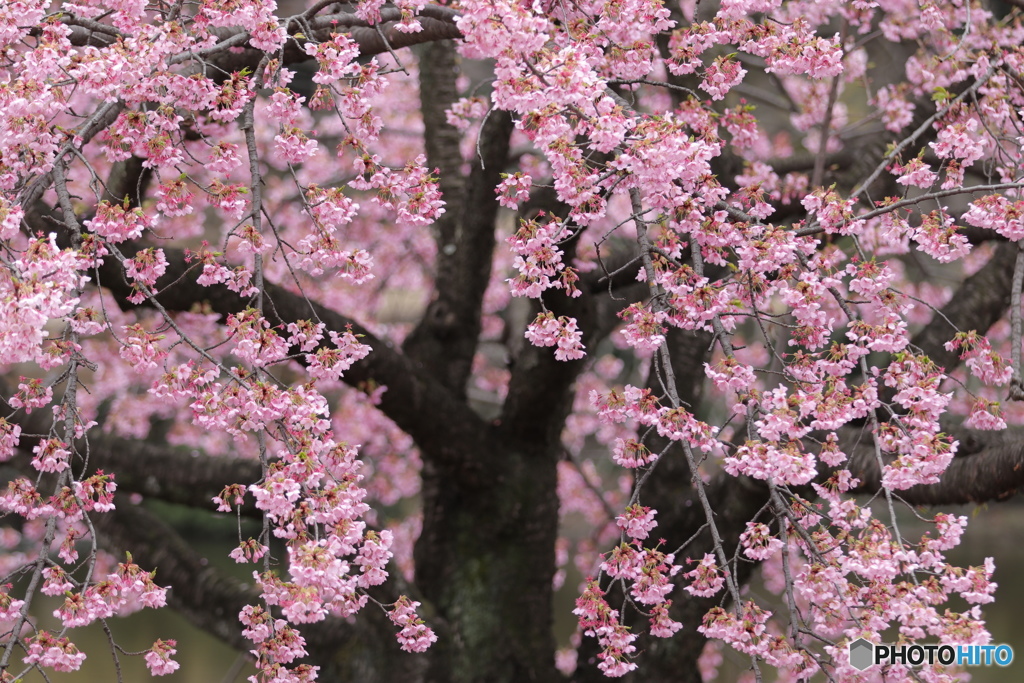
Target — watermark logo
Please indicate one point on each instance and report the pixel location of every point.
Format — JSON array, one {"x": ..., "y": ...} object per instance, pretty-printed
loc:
[{"x": 864, "y": 653}]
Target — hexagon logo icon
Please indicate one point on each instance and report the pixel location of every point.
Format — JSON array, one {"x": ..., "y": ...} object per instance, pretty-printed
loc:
[{"x": 862, "y": 654}]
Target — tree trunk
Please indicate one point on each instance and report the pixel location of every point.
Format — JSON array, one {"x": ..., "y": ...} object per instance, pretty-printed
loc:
[{"x": 485, "y": 559}]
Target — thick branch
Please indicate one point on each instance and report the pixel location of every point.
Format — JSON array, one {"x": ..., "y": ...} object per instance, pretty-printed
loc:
[
  {"x": 437, "y": 22},
  {"x": 979, "y": 302},
  {"x": 173, "y": 474},
  {"x": 988, "y": 466},
  {"x": 438, "y": 25},
  {"x": 444, "y": 427},
  {"x": 372, "y": 42},
  {"x": 445, "y": 340},
  {"x": 539, "y": 395}
]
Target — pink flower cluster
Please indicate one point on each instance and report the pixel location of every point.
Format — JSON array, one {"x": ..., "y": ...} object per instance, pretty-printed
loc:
[
  {"x": 55, "y": 652},
  {"x": 731, "y": 374},
  {"x": 140, "y": 348},
  {"x": 706, "y": 578},
  {"x": 277, "y": 645},
  {"x": 32, "y": 393},
  {"x": 118, "y": 223},
  {"x": 721, "y": 76},
  {"x": 10, "y": 434},
  {"x": 637, "y": 522},
  {"x": 255, "y": 342},
  {"x": 513, "y": 189},
  {"x": 562, "y": 333},
  {"x": 539, "y": 260},
  {"x": 51, "y": 455},
  {"x": 414, "y": 635},
  {"x": 158, "y": 659},
  {"x": 466, "y": 110},
  {"x": 998, "y": 213},
  {"x": 10, "y": 607},
  {"x": 255, "y": 16},
  {"x": 916, "y": 173},
  {"x": 412, "y": 192},
  {"x": 126, "y": 589},
  {"x": 631, "y": 453},
  {"x": 598, "y": 619},
  {"x": 145, "y": 268},
  {"x": 983, "y": 362},
  {"x": 335, "y": 57},
  {"x": 758, "y": 542},
  {"x": 644, "y": 330},
  {"x": 328, "y": 363}
]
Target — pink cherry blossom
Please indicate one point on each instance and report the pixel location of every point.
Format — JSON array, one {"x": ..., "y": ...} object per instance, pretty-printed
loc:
[
  {"x": 637, "y": 521},
  {"x": 158, "y": 659},
  {"x": 414, "y": 635}
]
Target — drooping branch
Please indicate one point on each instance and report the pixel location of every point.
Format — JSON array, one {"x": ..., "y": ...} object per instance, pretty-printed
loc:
[
  {"x": 987, "y": 466},
  {"x": 365, "y": 651},
  {"x": 416, "y": 401},
  {"x": 688, "y": 350},
  {"x": 442, "y": 425},
  {"x": 173, "y": 474},
  {"x": 435, "y": 416},
  {"x": 207, "y": 597},
  {"x": 204, "y": 595}
]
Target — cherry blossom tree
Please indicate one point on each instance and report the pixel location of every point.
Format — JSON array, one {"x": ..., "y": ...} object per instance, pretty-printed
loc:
[{"x": 450, "y": 302}]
